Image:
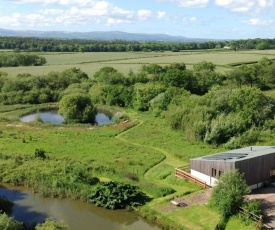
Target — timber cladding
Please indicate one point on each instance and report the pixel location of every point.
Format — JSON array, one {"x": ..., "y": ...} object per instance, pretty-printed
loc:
[
  {"x": 257, "y": 169},
  {"x": 257, "y": 163},
  {"x": 206, "y": 166}
]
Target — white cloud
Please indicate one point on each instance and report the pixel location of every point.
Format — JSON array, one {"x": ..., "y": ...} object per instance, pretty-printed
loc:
[
  {"x": 258, "y": 22},
  {"x": 244, "y": 6},
  {"x": 96, "y": 12},
  {"x": 144, "y": 14},
  {"x": 114, "y": 21},
  {"x": 161, "y": 14},
  {"x": 181, "y": 19},
  {"x": 31, "y": 20},
  {"x": 188, "y": 3}
]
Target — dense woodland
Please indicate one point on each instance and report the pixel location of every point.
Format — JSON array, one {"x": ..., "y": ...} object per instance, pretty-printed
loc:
[
  {"x": 216, "y": 108},
  {"x": 73, "y": 45}
]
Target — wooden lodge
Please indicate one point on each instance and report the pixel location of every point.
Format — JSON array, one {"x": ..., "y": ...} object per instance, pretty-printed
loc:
[{"x": 257, "y": 163}]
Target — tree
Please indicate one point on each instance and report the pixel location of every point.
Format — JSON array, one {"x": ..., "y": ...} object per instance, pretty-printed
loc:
[
  {"x": 204, "y": 65},
  {"x": 228, "y": 194},
  {"x": 77, "y": 107}
]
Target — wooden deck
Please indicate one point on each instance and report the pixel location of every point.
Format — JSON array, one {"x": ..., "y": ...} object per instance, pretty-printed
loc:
[{"x": 183, "y": 172}]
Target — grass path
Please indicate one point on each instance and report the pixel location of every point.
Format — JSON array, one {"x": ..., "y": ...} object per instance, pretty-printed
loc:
[{"x": 168, "y": 158}]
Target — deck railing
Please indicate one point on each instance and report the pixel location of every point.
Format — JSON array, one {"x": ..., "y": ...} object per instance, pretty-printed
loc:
[{"x": 182, "y": 172}]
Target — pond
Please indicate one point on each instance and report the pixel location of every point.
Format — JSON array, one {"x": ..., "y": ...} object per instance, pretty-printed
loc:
[
  {"x": 101, "y": 118},
  {"x": 32, "y": 208}
]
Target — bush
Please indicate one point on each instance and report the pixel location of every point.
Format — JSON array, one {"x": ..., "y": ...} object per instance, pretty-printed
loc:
[
  {"x": 227, "y": 196},
  {"x": 51, "y": 224},
  {"x": 40, "y": 153},
  {"x": 253, "y": 207},
  {"x": 8, "y": 223},
  {"x": 116, "y": 195}
]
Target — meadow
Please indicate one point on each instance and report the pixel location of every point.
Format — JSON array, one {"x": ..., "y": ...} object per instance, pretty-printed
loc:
[
  {"x": 142, "y": 152},
  {"x": 126, "y": 61}
]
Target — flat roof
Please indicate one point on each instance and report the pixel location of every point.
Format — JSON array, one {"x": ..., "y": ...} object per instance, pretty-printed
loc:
[{"x": 239, "y": 154}]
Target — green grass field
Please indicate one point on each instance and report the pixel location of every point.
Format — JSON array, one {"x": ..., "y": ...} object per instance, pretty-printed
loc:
[
  {"x": 126, "y": 61},
  {"x": 148, "y": 151},
  {"x": 143, "y": 152}
]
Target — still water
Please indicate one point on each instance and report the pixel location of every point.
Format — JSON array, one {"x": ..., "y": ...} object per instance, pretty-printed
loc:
[
  {"x": 55, "y": 118},
  {"x": 32, "y": 208}
]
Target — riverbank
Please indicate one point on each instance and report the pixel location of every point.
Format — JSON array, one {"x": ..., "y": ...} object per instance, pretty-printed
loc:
[{"x": 144, "y": 155}]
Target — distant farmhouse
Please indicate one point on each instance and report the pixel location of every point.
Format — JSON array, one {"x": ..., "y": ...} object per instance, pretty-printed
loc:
[{"x": 257, "y": 163}]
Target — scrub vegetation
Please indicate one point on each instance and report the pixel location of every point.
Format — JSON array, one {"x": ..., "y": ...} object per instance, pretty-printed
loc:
[{"x": 166, "y": 114}]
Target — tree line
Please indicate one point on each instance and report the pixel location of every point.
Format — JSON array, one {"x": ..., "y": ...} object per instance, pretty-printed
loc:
[
  {"x": 20, "y": 59},
  {"x": 230, "y": 109},
  {"x": 77, "y": 45}
]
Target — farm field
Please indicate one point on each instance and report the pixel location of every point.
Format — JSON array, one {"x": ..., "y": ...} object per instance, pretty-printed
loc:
[{"x": 126, "y": 61}]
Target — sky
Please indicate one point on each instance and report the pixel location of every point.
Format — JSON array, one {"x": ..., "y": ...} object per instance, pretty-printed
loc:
[{"x": 214, "y": 19}]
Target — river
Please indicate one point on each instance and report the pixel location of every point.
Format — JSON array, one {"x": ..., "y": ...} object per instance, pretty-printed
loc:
[{"x": 32, "y": 208}]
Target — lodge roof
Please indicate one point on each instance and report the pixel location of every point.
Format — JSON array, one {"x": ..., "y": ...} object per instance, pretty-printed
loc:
[{"x": 239, "y": 154}]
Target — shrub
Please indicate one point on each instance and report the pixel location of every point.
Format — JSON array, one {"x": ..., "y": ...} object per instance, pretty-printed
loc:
[
  {"x": 253, "y": 207},
  {"x": 229, "y": 193},
  {"x": 51, "y": 224},
  {"x": 116, "y": 195},
  {"x": 40, "y": 153},
  {"x": 8, "y": 223}
]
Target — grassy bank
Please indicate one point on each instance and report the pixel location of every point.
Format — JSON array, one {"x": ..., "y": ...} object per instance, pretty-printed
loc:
[{"x": 142, "y": 152}]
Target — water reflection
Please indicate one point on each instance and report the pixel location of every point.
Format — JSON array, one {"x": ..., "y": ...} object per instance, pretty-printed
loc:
[
  {"x": 32, "y": 208},
  {"x": 101, "y": 118}
]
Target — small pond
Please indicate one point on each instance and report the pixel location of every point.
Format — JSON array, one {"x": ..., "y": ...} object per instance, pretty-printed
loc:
[
  {"x": 32, "y": 208},
  {"x": 101, "y": 118}
]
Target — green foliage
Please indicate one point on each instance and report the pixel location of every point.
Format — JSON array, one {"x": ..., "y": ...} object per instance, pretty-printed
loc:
[
  {"x": 204, "y": 65},
  {"x": 8, "y": 223},
  {"x": 51, "y": 224},
  {"x": 117, "y": 95},
  {"x": 144, "y": 93},
  {"x": 26, "y": 88},
  {"x": 252, "y": 206},
  {"x": 228, "y": 194},
  {"x": 77, "y": 108},
  {"x": 116, "y": 195},
  {"x": 40, "y": 153},
  {"x": 20, "y": 59},
  {"x": 119, "y": 117},
  {"x": 236, "y": 117},
  {"x": 109, "y": 75}
]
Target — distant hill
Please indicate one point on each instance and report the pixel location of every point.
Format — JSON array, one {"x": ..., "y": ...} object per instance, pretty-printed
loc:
[{"x": 100, "y": 35}]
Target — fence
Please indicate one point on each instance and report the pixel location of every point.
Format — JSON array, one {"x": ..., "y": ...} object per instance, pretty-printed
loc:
[
  {"x": 258, "y": 219},
  {"x": 181, "y": 172}
]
